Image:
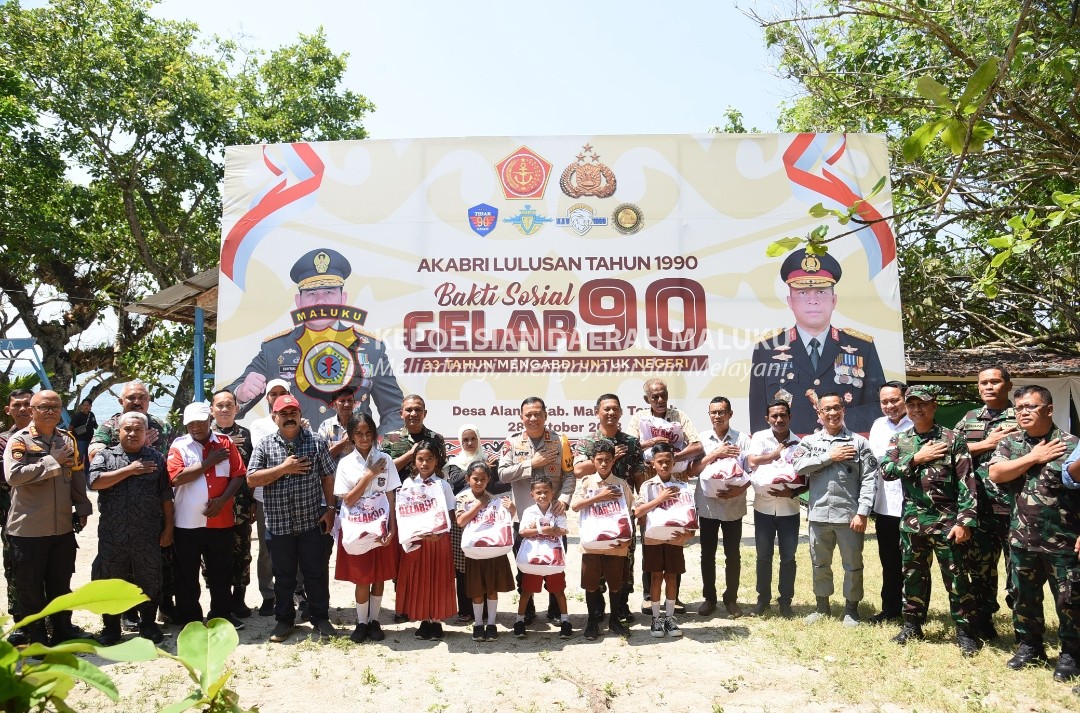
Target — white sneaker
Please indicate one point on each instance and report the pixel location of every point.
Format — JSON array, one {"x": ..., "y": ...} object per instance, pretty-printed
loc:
[
  {"x": 658, "y": 629},
  {"x": 671, "y": 628}
]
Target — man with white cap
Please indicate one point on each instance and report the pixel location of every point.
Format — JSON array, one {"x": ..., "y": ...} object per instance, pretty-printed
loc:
[{"x": 206, "y": 470}]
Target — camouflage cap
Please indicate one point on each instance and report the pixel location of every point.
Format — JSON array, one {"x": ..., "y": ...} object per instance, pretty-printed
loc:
[{"x": 923, "y": 392}]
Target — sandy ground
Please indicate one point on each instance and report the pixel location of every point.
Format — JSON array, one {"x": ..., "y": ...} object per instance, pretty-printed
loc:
[{"x": 720, "y": 664}]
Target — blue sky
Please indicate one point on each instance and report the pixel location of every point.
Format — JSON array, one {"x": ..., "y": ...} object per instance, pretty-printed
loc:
[{"x": 493, "y": 68}]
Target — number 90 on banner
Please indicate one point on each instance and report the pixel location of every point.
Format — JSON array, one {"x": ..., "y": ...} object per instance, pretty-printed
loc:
[{"x": 611, "y": 306}]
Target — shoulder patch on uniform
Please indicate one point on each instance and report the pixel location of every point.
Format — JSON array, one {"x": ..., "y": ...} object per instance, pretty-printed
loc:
[
  {"x": 771, "y": 334},
  {"x": 365, "y": 333},
  {"x": 857, "y": 334},
  {"x": 282, "y": 333}
]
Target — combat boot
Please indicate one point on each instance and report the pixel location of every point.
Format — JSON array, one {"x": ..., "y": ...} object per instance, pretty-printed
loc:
[
  {"x": 908, "y": 632},
  {"x": 593, "y": 600},
  {"x": 822, "y": 609},
  {"x": 851, "y": 614},
  {"x": 1067, "y": 667},
  {"x": 110, "y": 633},
  {"x": 1027, "y": 654},
  {"x": 969, "y": 645}
]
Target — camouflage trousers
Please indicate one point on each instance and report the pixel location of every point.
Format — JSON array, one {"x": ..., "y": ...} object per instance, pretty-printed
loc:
[
  {"x": 988, "y": 542},
  {"x": 1030, "y": 571},
  {"x": 917, "y": 550},
  {"x": 241, "y": 576}
]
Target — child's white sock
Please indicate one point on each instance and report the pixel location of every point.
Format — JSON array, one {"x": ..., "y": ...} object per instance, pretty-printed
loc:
[
  {"x": 669, "y": 607},
  {"x": 362, "y": 612},
  {"x": 656, "y": 609},
  {"x": 478, "y": 614},
  {"x": 375, "y": 604},
  {"x": 566, "y": 617},
  {"x": 493, "y": 608},
  {"x": 521, "y": 618}
]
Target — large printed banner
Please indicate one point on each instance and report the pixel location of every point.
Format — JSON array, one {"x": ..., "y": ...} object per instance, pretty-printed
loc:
[{"x": 477, "y": 272}]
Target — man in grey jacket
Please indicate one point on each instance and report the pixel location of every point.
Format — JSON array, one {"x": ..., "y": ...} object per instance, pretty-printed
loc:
[{"x": 841, "y": 471}]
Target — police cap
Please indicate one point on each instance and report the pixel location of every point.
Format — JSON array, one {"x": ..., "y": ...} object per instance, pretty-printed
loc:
[
  {"x": 320, "y": 268},
  {"x": 801, "y": 270}
]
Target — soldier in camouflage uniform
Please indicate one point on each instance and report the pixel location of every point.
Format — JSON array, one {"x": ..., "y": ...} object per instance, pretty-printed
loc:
[
  {"x": 983, "y": 428},
  {"x": 629, "y": 465},
  {"x": 934, "y": 467},
  {"x": 1045, "y": 530},
  {"x": 223, "y": 408}
]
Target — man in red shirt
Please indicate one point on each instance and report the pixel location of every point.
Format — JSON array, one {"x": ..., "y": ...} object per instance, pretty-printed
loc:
[{"x": 206, "y": 470}]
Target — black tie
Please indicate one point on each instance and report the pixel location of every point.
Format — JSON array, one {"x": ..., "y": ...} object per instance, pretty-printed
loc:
[{"x": 814, "y": 344}]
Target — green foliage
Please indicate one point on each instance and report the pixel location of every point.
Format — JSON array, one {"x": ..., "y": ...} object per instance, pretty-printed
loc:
[
  {"x": 981, "y": 113},
  {"x": 202, "y": 650},
  {"x": 139, "y": 110},
  {"x": 39, "y": 677}
]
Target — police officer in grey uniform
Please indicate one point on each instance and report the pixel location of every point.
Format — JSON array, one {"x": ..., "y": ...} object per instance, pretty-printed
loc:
[
  {"x": 814, "y": 357},
  {"x": 327, "y": 349}
]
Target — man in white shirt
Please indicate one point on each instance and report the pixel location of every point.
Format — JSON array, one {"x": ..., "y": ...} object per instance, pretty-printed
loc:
[
  {"x": 723, "y": 513},
  {"x": 888, "y": 503},
  {"x": 776, "y": 510}
]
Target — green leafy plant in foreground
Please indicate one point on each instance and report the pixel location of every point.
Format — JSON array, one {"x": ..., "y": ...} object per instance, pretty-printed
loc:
[
  {"x": 39, "y": 678},
  {"x": 203, "y": 650}
]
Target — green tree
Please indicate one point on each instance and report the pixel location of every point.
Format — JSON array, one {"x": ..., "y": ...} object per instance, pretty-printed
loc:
[
  {"x": 986, "y": 224},
  {"x": 111, "y": 163}
]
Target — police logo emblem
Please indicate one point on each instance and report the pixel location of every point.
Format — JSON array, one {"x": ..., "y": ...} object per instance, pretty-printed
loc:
[
  {"x": 587, "y": 176},
  {"x": 580, "y": 218},
  {"x": 524, "y": 174},
  {"x": 528, "y": 221},
  {"x": 483, "y": 218},
  {"x": 628, "y": 218},
  {"x": 327, "y": 362},
  {"x": 810, "y": 263}
]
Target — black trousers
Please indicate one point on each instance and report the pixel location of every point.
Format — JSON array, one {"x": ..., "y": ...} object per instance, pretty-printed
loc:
[
  {"x": 306, "y": 553},
  {"x": 215, "y": 546},
  {"x": 892, "y": 576},
  {"x": 709, "y": 533},
  {"x": 43, "y": 569}
]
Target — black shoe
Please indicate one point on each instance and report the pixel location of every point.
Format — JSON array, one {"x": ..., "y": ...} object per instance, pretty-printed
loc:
[
  {"x": 303, "y": 611},
  {"x": 519, "y": 629},
  {"x": 592, "y": 631},
  {"x": 969, "y": 645},
  {"x": 478, "y": 632},
  {"x": 282, "y": 631},
  {"x": 359, "y": 634},
  {"x": 566, "y": 630},
  {"x": 267, "y": 607},
  {"x": 625, "y": 615},
  {"x": 18, "y": 637},
  {"x": 760, "y": 609},
  {"x": 236, "y": 623},
  {"x": 1067, "y": 668},
  {"x": 109, "y": 636},
  {"x": 130, "y": 622},
  {"x": 553, "y": 613},
  {"x": 680, "y": 608},
  {"x": 400, "y": 618},
  {"x": 786, "y": 611},
  {"x": 150, "y": 630},
  {"x": 241, "y": 610},
  {"x": 491, "y": 633},
  {"x": 1027, "y": 655},
  {"x": 530, "y": 612},
  {"x": 908, "y": 632},
  {"x": 374, "y": 631},
  {"x": 616, "y": 627},
  {"x": 67, "y": 633},
  {"x": 423, "y": 631},
  {"x": 883, "y": 618},
  {"x": 436, "y": 630},
  {"x": 167, "y": 611}
]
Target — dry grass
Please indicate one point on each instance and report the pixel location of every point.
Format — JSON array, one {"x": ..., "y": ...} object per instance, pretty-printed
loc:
[{"x": 766, "y": 664}]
